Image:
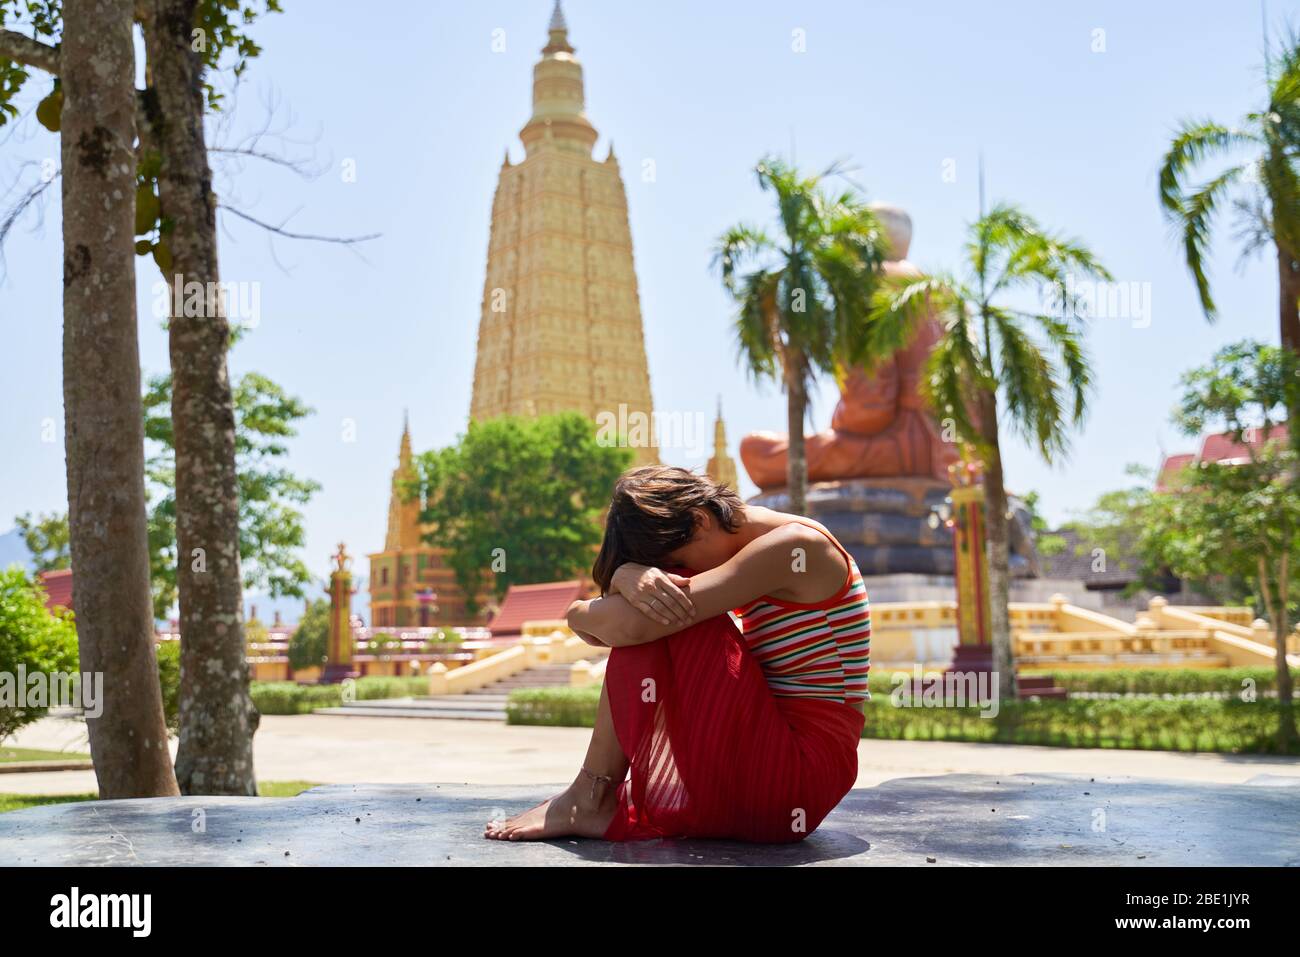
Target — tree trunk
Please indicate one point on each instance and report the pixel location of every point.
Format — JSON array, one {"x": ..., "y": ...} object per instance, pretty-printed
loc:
[
  {"x": 1288, "y": 272},
  {"x": 103, "y": 414},
  {"x": 1281, "y": 629},
  {"x": 1288, "y": 281},
  {"x": 998, "y": 534},
  {"x": 795, "y": 365},
  {"x": 217, "y": 717}
]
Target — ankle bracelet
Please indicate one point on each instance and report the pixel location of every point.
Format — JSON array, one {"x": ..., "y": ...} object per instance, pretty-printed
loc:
[{"x": 596, "y": 778}]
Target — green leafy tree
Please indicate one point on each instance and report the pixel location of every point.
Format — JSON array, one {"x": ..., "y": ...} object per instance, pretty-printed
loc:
[
  {"x": 1236, "y": 517},
  {"x": 46, "y": 538},
  {"x": 802, "y": 292},
  {"x": 1257, "y": 176},
  {"x": 518, "y": 500},
  {"x": 1000, "y": 366},
  {"x": 169, "y": 679},
  {"x": 1116, "y": 525},
  {"x": 270, "y": 522},
  {"x": 32, "y": 636},
  {"x": 309, "y": 643}
]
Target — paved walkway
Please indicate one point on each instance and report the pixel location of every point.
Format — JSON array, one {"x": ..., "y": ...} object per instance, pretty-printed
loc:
[{"x": 350, "y": 750}]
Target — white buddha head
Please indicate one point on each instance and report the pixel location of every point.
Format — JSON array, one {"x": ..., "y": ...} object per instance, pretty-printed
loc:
[{"x": 898, "y": 226}]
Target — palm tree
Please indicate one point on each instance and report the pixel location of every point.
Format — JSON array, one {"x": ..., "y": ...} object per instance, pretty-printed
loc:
[
  {"x": 802, "y": 294},
  {"x": 998, "y": 364},
  {"x": 1263, "y": 188}
]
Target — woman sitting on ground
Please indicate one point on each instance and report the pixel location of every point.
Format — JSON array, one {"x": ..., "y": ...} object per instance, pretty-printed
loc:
[{"x": 727, "y": 734}]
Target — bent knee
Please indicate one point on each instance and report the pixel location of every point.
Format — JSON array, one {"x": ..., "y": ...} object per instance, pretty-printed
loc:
[{"x": 717, "y": 625}]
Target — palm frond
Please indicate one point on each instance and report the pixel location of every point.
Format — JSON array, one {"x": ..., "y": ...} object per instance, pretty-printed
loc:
[
  {"x": 948, "y": 387},
  {"x": 1194, "y": 143},
  {"x": 757, "y": 346},
  {"x": 1002, "y": 229},
  {"x": 1067, "y": 340},
  {"x": 1030, "y": 385},
  {"x": 901, "y": 302},
  {"x": 1195, "y": 216},
  {"x": 737, "y": 247}
]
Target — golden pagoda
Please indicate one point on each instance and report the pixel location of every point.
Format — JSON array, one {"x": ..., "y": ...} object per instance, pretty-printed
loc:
[
  {"x": 560, "y": 325},
  {"x": 410, "y": 584},
  {"x": 722, "y": 467}
]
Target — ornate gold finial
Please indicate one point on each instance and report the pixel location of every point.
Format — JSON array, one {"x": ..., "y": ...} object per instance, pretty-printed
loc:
[
  {"x": 968, "y": 470},
  {"x": 557, "y": 18},
  {"x": 342, "y": 560}
]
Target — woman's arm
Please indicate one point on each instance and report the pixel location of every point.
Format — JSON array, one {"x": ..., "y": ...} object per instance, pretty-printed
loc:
[
  {"x": 587, "y": 636},
  {"x": 772, "y": 562}
]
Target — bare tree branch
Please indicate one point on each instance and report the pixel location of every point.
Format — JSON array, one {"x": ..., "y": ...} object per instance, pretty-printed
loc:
[
  {"x": 270, "y": 141},
  {"x": 23, "y": 49},
  {"x": 298, "y": 167},
  {"x": 310, "y": 237},
  {"x": 26, "y": 201}
]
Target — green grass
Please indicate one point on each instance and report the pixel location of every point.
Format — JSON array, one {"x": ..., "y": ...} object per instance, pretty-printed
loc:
[
  {"x": 284, "y": 789},
  {"x": 13, "y": 755},
  {"x": 19, "y": 802}
]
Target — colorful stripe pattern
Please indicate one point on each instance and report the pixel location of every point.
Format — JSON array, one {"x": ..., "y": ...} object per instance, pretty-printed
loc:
[{"x": 814, "y": 651}]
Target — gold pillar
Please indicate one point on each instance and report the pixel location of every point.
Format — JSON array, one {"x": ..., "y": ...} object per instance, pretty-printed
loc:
[
  {"x": 974, "y": 627},
  {"x": 339, "y": 650}
]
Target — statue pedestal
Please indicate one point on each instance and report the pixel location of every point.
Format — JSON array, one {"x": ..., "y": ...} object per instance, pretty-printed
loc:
[{"x": 884, "y": 523}]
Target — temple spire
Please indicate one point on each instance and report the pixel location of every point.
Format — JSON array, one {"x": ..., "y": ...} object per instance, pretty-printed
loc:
[
  {"x": 559, "y": 119},
  {"x": 722, "y": 467},
  {"x": 404, "y": 450},
  {"x": 403, "y": 513}
]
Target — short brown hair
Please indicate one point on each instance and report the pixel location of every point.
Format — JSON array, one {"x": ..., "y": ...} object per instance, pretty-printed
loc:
[{"x": 650, "y": 516}]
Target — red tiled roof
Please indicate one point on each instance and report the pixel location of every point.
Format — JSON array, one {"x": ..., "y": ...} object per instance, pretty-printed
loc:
[
  {"x": 546, "y": 601},
  {"x": 1220, "y": 447},
  {"x": 1216, "y": 448},
  {"x": 58, "y": 588},
  {"x": 1169, "y": 469}
]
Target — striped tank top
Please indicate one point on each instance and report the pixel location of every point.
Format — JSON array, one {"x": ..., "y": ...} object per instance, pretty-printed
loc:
[{"x": 814, "y": 650}]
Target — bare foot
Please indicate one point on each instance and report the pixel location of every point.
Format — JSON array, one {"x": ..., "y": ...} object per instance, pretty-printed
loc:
[{"x": 573, "y": 812}]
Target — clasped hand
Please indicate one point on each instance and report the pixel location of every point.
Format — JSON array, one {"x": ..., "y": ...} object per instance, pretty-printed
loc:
[{"x": 657, "y": 594}]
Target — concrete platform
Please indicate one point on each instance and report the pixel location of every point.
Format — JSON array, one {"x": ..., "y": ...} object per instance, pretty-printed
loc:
[{"x": 956, "y": 819}]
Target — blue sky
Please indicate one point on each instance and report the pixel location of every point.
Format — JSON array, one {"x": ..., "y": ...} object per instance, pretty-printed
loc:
[{"x": 424, "y": 108}]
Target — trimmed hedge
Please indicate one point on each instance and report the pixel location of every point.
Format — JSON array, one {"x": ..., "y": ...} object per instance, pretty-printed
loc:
[
  {"x": 556, "y": 707},
  {"x": 287, "y": 697},
  {"x": 1169, "y": 680},
  {"x": 1148, "y": 724},
  {"x": 409, "y": 686},
  {"x": 1180, "y": 724}
]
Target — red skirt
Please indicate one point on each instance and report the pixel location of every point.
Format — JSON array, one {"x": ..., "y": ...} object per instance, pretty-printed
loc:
[{"x": 713, "y": 752}]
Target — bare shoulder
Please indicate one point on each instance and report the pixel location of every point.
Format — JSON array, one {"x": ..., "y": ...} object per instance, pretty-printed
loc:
[
  {"x": 814, "y": 564},
  {"x": 781, "y": 539},
  {"x": 797, "y": 532}
]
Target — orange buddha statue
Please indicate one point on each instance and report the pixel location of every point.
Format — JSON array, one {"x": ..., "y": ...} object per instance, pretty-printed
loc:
[{"x": 881, "y": 427}]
